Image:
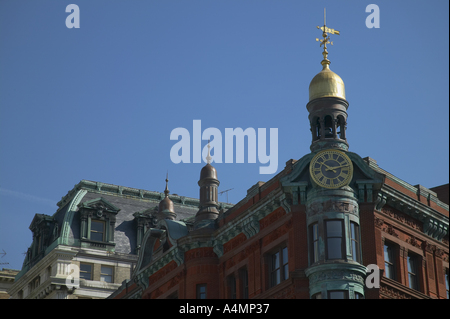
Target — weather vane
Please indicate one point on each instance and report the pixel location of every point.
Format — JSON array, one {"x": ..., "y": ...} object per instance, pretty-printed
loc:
[{"x": 326, "y": 38}]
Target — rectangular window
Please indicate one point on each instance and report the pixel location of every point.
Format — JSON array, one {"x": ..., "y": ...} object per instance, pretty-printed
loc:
[
  {"x": 97, "y": 230},
  {"x": 106, "y": 274},
  {"x": 389, "y": 261},
  {"x": 335, "y": 239},
  {"x": 244, "y": 283},
  {"x": 314, "y": 233},
  {"x": 446, "y": 282},
  {"x": 279, "y": 267},
  {"x": 232, "y": 283},
  {"x": 201, "y": 291},
  {"x": 338, "y": 294},
  {"x": 86, "y": 271},
  {"x": 354, "y": 229},
  {"x": 413, "y": 277}
]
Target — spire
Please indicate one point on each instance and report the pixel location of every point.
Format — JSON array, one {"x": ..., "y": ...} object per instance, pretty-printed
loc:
[
  {"x": 326, "y": 39},
  {"x": 166, "y": 208},
  {"x": 166, "y": 191},
  {"x": 327, "y": 104}
]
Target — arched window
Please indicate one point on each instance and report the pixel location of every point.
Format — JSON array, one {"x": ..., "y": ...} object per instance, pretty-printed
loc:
[
  {"x": 316, "y": 129},
  {"x": 329, "y": 127},
  {"x": 340, "y": 126}
]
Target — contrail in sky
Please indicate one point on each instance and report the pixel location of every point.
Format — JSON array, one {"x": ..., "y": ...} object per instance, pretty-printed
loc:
[{"x": 28, "y": 197}]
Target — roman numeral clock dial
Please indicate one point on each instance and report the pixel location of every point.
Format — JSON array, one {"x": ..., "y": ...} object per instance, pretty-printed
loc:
[{"x": 331, "y": 169}]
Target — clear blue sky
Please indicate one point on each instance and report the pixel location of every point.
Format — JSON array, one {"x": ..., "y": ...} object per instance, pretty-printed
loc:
[{"x": 100, "y": 102}]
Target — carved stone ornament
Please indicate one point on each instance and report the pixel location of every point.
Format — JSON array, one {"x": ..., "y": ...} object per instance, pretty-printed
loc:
[
  {"x": 390, "y": 230},
  {"x": 335, "y": 275},
  {"x": 379, "y": 222},
  {"x": 413, "y": 241}
]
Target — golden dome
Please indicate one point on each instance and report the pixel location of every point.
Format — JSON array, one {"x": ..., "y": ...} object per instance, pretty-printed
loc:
[{"x": 326, "y": 84}]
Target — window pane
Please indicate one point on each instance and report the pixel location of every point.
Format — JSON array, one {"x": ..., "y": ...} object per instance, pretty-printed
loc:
[
  {"x": 275, "y": 261},
  {"x": 315, "y": 232},
  {"x": 355, "y": 252},
  {"x": 388, "y": 253},
  {"x": 353, "y": 230},
  {"x": 285, "y": 272},
  {"x": 97, "y": 236},
  {"x": 334, "y": 246},
  {"x": 412, "y": 265},
  {"x": 85, "y": 267},
  {"x": 106, "y": 270},
  {"x": 285, "y": 255},
  {"x": 334, "y": 228},
  {"x": 201, "y": 291},
  {"x": 106, "y": 274},
  {"x": 336, "y": 294},
  {"x": 97, "y": 226},
  {"x": 412, "y": 281},
  {"x": 389, "y": 271},
  {"x": 316, "y": 251},
  {"x": 446, "y": 283},
  {"x": 86, "y": 271},
  {"x": 276, "y": 279}
]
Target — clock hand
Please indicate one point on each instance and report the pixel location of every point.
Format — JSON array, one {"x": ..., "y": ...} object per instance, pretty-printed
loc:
[
  {"x": 329, "y": 168},
  {"x": 336, "y": 167}
]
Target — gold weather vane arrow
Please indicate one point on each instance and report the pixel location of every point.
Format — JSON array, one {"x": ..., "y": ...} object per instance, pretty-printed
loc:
[{"x": 326, "y": 38}]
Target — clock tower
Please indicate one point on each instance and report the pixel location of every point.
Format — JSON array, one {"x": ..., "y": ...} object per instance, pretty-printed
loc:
[{"x": 335, "y": 265}]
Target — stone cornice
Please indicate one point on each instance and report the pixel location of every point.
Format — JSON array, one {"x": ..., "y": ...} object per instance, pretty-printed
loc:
[{"x": 435, "y": 223}]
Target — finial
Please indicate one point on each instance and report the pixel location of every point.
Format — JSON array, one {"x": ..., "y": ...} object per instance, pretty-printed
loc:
[
  {"x": 208, "y": 157},
  {"x": 166, "y": 191},
  {"x": 326, "y": 39}
]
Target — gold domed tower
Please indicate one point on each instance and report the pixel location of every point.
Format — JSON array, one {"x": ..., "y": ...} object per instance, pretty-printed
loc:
[{"x": 327, "y": 105}]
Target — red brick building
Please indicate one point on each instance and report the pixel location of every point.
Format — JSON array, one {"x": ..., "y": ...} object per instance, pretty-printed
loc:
[{"x": 318, "y": 229}]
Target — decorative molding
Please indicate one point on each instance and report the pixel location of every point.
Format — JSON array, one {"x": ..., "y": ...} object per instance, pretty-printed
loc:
[
  {"x": 413, "y": 241},
  {"x": 336, "y": 274},
  {"x": 435, "y": 224},
  {"x": 69, "y": 216},
  {"x": 379, "y": 222},
  {"x": 403, "y": 218},
  {"x": 389, "y": 230}
]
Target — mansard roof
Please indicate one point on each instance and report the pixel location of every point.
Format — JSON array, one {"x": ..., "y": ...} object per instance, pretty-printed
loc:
[{"x": 126, "y": 204}]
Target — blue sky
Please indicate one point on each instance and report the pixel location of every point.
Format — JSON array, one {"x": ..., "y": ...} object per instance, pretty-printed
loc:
[{"x": 99, "y": 102}]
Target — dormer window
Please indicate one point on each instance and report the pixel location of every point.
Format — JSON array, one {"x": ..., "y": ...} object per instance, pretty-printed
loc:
[{"x": 98, "y": 218}]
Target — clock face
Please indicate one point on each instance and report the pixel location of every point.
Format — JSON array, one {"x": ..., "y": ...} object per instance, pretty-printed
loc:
[{"x": 331, "y": 169}]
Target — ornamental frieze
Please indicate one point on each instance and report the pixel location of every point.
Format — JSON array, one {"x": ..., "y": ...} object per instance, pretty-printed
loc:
[
  {"x": 331, "y": 206},
  {"x": 243, "y": 254},
  {"x": 199, "y": 253},
  {"x": 392, "y": 293},
  {"x": 271, "y": 218},
  {"x": 414, "y": 242},
  {"x": 277, "y": 233},
  {"x": 335, "y": 275},
  {"x": 402, "y": 218},
  {"x": 234, "y": 243}
]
